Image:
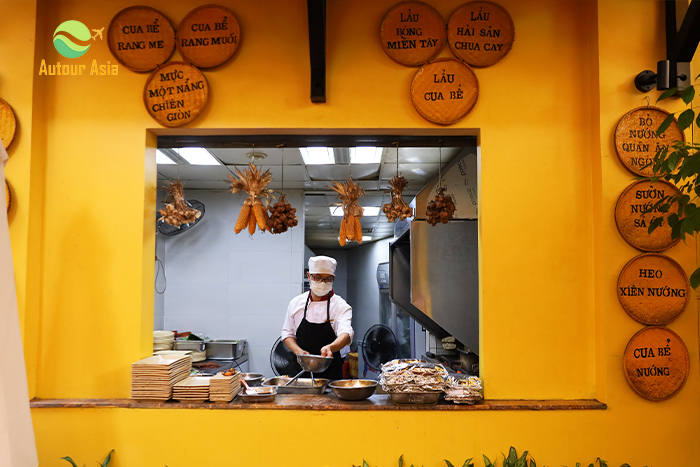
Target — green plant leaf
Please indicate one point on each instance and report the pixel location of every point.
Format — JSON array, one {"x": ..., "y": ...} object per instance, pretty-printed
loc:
[
  {"x": 532, "y": 463},
  {"x": 364, "y": 463},
  {"x": 401, "y": 461},
  {"x": 688, "y": 94},
  {"x": 578, "y": 464},
  {"x": 602, "y": 462},
  {"x": 591, "y": 465},
  {"x": 665, "y": 95},
  {"x": 512, "y": 457},
  {"x": 654, "y": 224},
  {"x": 468, "y": 463},
  {"x": 108, "y": 459},
  {"x": 448, "y": 463},
  {"x": 487, "y": 461},
  {"x": 625, "y": 465},
  {"x": 70, "y": 460},
  {"x": 695, "y": 279},
  {"x": 664, "y": 125},
  {"x": 686, "y": 118}
]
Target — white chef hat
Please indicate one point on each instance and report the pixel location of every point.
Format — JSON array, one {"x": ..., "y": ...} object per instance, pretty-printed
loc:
[{"x": 322, "y": 265}]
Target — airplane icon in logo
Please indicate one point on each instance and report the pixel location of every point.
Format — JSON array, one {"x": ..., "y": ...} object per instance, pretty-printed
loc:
[{"x": 98, "y": 32}]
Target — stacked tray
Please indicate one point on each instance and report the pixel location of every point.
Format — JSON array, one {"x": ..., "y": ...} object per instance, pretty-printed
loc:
[
  {"x": 413, "y": 381},
  {"x": 154, "y": 377},
  {"x": 163, "y": 340},
  {"x": 224, "y": 388},
  {"x": 192, "y": 389}
]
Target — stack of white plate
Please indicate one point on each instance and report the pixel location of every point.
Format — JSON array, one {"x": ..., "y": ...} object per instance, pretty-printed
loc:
[
  {"x": 163, "y": 340},
  {"x": 154, "y": 377},
  {"x": 192, "y": 389},
  {"x": 224, "y": 388},
  {"x": 198, "y": 356}
]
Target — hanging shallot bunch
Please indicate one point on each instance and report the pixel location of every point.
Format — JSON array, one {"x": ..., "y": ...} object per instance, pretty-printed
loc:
[
  {"x": 350, "y": 227},
  {"x": 397, "y": 209},
  {"x": 177, "y": 211},
  {"x": 282, "y": 216},
  {"x": 254, "y": 210},
  {"x": 441, "y": 208}
]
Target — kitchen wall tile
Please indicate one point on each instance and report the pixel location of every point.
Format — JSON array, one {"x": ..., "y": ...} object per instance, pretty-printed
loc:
[
  {"x": 258, "y": 330},
  {"x": 187, "y": 298},
  {"x": 259, "y": 241},
  {"x": 269, "y": 299},
  {"x": 211, "y": 233},
  {"x": 212, "y": 326},
  {"x": 259, "y": 359},
  {"x": 259, "y": 266},
  {"x": 189, "y": 265}
]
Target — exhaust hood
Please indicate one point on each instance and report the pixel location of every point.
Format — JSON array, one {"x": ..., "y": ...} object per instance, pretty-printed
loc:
[{"x": 434, "y": 270}]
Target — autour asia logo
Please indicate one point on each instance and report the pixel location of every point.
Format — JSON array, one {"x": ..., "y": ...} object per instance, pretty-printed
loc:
[{"x": 72, "y": 39}]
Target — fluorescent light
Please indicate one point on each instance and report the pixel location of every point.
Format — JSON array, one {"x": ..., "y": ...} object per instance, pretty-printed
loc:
[
  {"x": 337, "y": 211},
  {"x": 163, "y": 159},
  {"x": 317, "y": 156},
  {"x": 197, "y": 156},
  {"x": 365, "y": 155}
]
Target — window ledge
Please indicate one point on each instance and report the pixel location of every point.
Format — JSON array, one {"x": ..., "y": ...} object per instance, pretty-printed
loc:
[{"x": 322, "y": 402}]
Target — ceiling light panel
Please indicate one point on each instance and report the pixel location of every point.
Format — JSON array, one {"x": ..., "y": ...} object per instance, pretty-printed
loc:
[
  {"x": 365, "y": 155},
  {"x": 197, "y": 156},
  {"x": 317, "y": 155},
  {"x": 163, "y": 159}
]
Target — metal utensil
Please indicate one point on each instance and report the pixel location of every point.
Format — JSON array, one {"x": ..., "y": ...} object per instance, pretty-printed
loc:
[
  {"x": 311, "y": 363},
  {"x": 248, "y": 390}
]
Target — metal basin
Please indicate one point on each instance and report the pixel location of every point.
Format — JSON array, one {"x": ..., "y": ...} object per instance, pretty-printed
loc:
[
  {"x": 314, "y": 363},
  {"x": 353, "y": 389},
  {"x": 253, "y": 379}
]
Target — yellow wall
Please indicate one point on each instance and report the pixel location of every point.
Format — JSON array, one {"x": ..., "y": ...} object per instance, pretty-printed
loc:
[{"x": 552, "y": 327}]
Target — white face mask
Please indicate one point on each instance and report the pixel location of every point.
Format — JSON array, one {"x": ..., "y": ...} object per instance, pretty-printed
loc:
[{"x": 320, "y": 289}]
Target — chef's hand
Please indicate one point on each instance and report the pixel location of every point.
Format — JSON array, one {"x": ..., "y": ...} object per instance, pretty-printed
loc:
[
  {"x": 302, "y": 352},
  {"x": 326, "y": 351}
]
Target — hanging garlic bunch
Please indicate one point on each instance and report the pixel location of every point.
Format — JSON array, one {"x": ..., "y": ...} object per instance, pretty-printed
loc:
[
  {"x": 441, "y": 208},
  {"x": 177, "y": 211},
  {"x": 397, "y": 208},
  {"x": 282, "y": 216}
]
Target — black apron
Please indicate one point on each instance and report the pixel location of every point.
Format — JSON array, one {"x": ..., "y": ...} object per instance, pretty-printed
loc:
[{"x": 312, "y": 336}]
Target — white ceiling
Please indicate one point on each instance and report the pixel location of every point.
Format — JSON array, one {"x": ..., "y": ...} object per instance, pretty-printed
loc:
[{"x": 418, "y": 165}]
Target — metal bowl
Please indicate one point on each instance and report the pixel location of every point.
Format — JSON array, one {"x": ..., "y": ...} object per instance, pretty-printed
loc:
[
  {"x": 314, "y": 363},
  {"x": 253, "y": 379},
  {"x": 262, "y": 394},
  {"x": 353, "y": 389}
]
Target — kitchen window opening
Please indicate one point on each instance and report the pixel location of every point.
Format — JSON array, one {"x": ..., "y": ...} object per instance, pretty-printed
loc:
[{"x": 221, "y": 285}]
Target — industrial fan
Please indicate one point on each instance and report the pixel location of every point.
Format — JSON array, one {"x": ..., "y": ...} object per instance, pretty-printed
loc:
[
  {"x": 282, "y": 360},
  {"x": 378, "y": 347},
  {"x": 170, "y": 230}
]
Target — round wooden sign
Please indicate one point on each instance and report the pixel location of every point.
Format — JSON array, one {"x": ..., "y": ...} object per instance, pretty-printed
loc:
[
  {"x": 444, "y": 91},
  {"x": 636, "y": 142},
  {"x": 176, "y": 94},
  {"x": 8, "y": 196},
  {"x": 412, "y": 33},
  {"x": 656, "y": 363},
  {"x": 141, "y": 38},
  {"x": 633, "y": 224},
  {"x": 480, "y": 33},
  {"x": 8, "y": 123},
  {"x": 208, "y": 36},
  {"x": 653, "y": 289}
]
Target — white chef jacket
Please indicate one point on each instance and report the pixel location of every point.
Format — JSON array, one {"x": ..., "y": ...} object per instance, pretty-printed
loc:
[{"x": 340, "y": 315}]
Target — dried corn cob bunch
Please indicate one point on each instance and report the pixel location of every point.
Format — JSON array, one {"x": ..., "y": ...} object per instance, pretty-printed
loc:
[
  {"x": 177, "y": 211},
  {"x": 441, "y": 208},
  {"x": 282, "y": 216},
  {"x": 253, "y": 213},
  {"x": 350, "y": 228},
  {"x": 398, "y": 207}
]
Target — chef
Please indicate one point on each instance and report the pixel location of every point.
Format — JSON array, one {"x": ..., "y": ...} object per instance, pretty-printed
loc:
[{"x": 318, "y": 322}]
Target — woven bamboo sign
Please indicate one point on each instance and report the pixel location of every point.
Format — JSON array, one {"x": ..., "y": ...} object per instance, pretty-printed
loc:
[
  {"x": 176, "y": 94},
  {"x": 412, "y": 33},
  {"x": 653, "y": 289},
  {"x": 480, "y": 33},
  {"x": 636, "y": 142},
  {"x": 141, "y": 38},
  {"x": 208, "y": 36},
  {"x": 656, "y": 363},
  {"x": 633, "y": 222},
  {"x": 8, "y": 123},
  {"x": 444, "y": 91}
]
